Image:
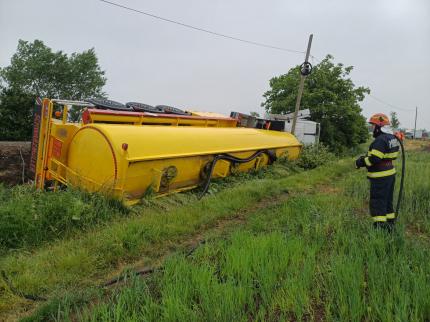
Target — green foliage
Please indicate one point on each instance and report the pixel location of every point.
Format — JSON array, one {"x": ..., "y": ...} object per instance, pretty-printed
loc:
[
  {"x": 225, "y": 281},
  {"x": 332, "y": 98},
  {"x": 282, "y": 168},
  {"x": 395, "y": 123},
  {"x": 307, "y": 259},
  {"x": 16, "y": 115},
  {"x": 29, "y": 217},
  {"x": 82, "y": 261},
  {"x": 312, "y": 257},
  {"x": 36, "y": 70},
  {"x": 314, "y": 155}
]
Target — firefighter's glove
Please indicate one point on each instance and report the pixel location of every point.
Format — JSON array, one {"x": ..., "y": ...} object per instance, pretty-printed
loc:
[{"x": 359, "y": 163}]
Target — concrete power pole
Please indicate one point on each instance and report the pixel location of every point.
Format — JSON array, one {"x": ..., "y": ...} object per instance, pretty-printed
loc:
[
  {"x": 302, "y": 83},
  {"x": 415, "y": 126}
]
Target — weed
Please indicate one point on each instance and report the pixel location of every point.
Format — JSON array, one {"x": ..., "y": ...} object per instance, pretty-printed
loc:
[
  {"x": 82, "y": 262},
  {"x": 311, "y": 258},
  {"x": 265, "y": 273},
  {"x": 314, "y": 155},
  {"x": 29, "y": 217}
]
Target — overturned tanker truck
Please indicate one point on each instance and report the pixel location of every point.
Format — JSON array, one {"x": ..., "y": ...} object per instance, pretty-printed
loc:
[{"x": 127, "y": 150}]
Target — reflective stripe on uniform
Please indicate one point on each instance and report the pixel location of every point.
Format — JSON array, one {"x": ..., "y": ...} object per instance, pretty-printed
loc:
[
  {"x": 381, "y": 174},
  {"x": 379, "y": 218},
  {"x": 381, "y": 155},
  {"x": 367, "y": 161},
  {"x": 391, "y": 216},
  {"x": 376, "y": 153},
  {"x": 392, "y": 155}
]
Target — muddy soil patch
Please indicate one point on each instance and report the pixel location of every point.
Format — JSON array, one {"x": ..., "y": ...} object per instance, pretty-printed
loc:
[{"x": 14, "y": 161}]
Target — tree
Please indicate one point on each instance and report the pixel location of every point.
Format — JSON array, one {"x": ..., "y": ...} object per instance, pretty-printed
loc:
[
  {"x": 36, "y": 70},
  {"x": 16, "y": 119},
  {"x": 394, "y": 120},
  {"x": 255, "y": 114},
  {"x": 332, "y": 98}
]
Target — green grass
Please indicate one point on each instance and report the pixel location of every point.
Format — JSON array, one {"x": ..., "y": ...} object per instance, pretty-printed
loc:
[
  {"x": 29, "y": 218},
  {"x": 314, "y": 257},
  {"x": 84, "y": 260},
  {"x": 223, "y": 282},
  {"x": 308, "y": 263}
]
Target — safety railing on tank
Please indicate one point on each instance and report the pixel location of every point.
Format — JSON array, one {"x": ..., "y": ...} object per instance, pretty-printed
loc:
[{"x": 63, "y": 174}]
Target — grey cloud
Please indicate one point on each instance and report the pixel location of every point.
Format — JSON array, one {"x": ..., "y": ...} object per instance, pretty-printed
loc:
[{"x": 154, "y": 62}]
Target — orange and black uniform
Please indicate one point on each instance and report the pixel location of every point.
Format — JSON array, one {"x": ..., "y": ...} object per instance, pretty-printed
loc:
[{"x": 381, "y": 173}]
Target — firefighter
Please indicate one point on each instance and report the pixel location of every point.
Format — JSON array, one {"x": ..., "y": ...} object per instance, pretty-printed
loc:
[{"x": 381, "y": 172}]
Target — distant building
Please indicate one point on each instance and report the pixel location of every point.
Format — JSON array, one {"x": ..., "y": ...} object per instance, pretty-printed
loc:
[
  {"x": 419, "y": 134},
  {"x": 307, "y": 132}
]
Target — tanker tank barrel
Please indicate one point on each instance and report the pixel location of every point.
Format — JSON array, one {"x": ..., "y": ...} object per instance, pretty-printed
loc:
[{"x": 125, "y": 152}]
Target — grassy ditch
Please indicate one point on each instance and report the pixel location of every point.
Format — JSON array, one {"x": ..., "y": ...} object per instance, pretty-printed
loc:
[
  {"x": 314, "y": 257},
  {"x": 87, "y": 259},
  {"x": 301, "y": 268},
  {"x": 30, "y": 218}
]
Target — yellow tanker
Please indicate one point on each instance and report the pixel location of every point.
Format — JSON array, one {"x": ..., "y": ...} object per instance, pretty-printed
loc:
[{"x": 127, "y": 154}]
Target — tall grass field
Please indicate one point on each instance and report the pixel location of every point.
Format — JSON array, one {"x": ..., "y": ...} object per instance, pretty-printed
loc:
[{"x": 279, "y": 245}]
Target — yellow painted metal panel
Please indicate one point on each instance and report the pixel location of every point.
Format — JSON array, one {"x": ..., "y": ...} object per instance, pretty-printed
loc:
[
  {"x": 208, "y": 114},
  {"x": 130, "y": 160},
  {"x": 139, "y": 118},
  {"x": 160, "y": 142},
  {"x": 92, "y": 156},
  {"x": 43, "y": 146}
]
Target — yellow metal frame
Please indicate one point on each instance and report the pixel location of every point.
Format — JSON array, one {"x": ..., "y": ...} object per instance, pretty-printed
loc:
[
  {"x": 42, "y": 153},
  {"x": 143, "y": 118}
]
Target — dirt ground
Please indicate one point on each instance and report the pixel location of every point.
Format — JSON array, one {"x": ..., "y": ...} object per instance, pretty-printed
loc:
[
  {"x": 417, "y": 145},
  {"x": 14, "y": 161}
]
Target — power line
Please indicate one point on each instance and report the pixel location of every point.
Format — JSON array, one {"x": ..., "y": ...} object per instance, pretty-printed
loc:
[
  {"x": 376, "y": 98},
  {"x": 316, "y": 58},
  {"x": 214, "y": 33},
  {"x": 250, "y": 42},
  {"x": 390, "y": 105}
]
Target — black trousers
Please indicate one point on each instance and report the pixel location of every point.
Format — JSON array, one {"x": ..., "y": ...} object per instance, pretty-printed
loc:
[{"x": 381, "y": 198}]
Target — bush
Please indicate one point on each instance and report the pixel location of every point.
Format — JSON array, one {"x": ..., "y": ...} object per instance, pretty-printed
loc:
[
  {"x": 314, "y": 155},
  {"x": 29, "y": 217}
]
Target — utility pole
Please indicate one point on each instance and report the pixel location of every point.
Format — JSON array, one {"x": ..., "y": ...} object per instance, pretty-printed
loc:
[
  {"x": 415, "y": 126},
  {"x": 302, "y": 83}
]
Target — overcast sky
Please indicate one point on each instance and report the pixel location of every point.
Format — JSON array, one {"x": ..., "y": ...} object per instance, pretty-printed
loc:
[{"x": 154, "y": 62}]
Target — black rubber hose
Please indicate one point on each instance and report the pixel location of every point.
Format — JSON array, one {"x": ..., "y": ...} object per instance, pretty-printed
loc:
[
  {"x": 402, "y": 178},
  {"x": 227, "y": 158}
]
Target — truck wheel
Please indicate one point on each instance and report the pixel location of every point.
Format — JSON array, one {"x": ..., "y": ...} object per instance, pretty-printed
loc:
[
  {"x": 171, "y": 110},
  {"x": 106, "y": 104},
  {"x": 140, "y": 107}
]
